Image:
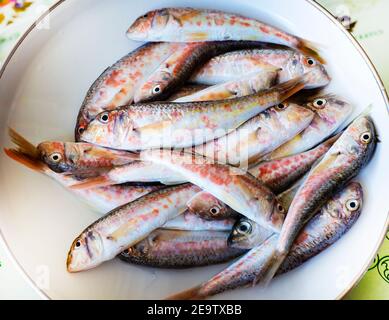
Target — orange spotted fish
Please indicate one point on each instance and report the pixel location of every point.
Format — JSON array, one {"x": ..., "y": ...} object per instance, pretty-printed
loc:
[
  {"x": 116, "y": 85},
  {"x": 101, "y": 199},
  {"x": 180, "y": 125},
  {"x": 346, "y": 158},
  {"x": 244, "y": 86},
  {"x": 174, "y": 249},
  {"x": 190, "y": 25},
  {"x": 232, "y": 66},
  {"x": 78, "y": 157},
  {"x": 125, "y": 226},
  {"x": 281, "y": 174},
  {"x": 330, "y": 113},
  {"x": 330, "y": 224},
  {"x": 278, "y": 175},
  {"x": 258, "y": 136},
  {"x": 239, "y": 190},
  {"x": 174, "y": 71}
]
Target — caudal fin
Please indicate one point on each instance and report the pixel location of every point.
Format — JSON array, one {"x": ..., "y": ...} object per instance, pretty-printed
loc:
[
  {"x": 100, "y": 181},
  {"x": 309, "y": 49},
  {"x": 24, "y": 146},
  {"x": 191, "y": 294},
  {"x": 26, "y": 160}
]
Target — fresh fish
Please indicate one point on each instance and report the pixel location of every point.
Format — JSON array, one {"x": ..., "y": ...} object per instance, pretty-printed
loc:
[
  {"x": 281, "y": 174},
  {"x": 180, "y": 125},
  {"x": 139, "y": 171},
  {"x": 241, "y": 191},
  {"x": 181, "y": 249},
  {"x": 115, "y": 86},
  {"x": 192, "y": 222},
  {"x": 278, "y": 175},
  {"x": 127, "y": 225},
  {"x": 244, "y": 86},
  {"x": 186, "y": 90},
  {"x": 249, "y": 142},
  {"x": 76, "y": 157},
  {"x": 258, "y": 136},
  {"x": 350, "y": 153},
  {"x": 101, "y": 199},
  {"x": 190, "y": 25},
  {"x": 324, "y": 229},
  {"x": 330, "y": 113},
  {"x": 179, "y": 66},
  {"x": 333, "y": 221},
  {"x": 232, "y": 66}
]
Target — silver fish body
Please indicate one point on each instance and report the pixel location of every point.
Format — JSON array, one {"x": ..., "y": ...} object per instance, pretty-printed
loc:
[
  {"x": 181, "y": 249},
  {"x": 127, "y": 225}
]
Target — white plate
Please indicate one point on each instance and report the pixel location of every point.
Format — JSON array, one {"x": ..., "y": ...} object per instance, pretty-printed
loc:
[{"x": 41, "y": 89}]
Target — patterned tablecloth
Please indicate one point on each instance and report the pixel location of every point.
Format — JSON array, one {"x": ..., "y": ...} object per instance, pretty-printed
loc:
[{"x": 366, "y": 20}]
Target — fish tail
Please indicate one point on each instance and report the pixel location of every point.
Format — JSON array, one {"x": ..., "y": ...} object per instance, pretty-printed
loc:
[
  {"x": 190, "y": 294},
  {"x": 100, "y": 181},
  {"x": 25, "y": 146},
  {"x": 289, "y": 88},
  {"x": 25, "y": 160},
  {"x": 309, "y": 48}
]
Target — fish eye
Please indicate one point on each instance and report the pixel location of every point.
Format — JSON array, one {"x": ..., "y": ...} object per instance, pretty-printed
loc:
[
  {"x": 104, "y": 117},
  {"x": 81, "y": 130},
  {"x": 366, "y": 137},
  {"x": 157, "y": 89},
  {"x": 352, "y": 205},
  {"x": 319, "y": 103},
  {"x": 282, "y": 106},
  {"x": 311, "y": 62},
  {"x": 244, "y": 227},
  {"x": 55, "y": 157},
  {"x": 214, "y": 210},
  {"x": 280, "y": 208},
  {"x": 78, "y": 244}
]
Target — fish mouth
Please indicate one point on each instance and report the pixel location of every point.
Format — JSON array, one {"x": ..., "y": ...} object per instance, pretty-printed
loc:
[{"x": 69, "y": 259}]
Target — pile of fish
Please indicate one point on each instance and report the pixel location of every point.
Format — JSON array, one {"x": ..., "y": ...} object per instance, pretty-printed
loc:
[{"x": 207, "y": 145}]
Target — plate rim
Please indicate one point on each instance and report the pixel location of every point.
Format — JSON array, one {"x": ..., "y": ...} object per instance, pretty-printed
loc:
[{"x": 318, "y": 7}]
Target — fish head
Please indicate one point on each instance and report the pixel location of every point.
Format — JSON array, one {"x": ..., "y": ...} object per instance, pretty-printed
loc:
[
  {"x": 293, "y": 113},
  {"x": 82, "y": 123},
  {"x": 246, "y": 234},
  {"x": 54, "y": 155},
  {"x": 86, "y": 252},
  {"x": 359, "y": 140},
  {"x": 105, "y": 129},
  {"x": 208, "y": 207},
  {"x": 315, "y": 74},
  {"x": 330, "y": 111},
  {"x": 347, "y": 205},
  {"x": 154, "y": 87},
  {"x": 153, "y": 21}
]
